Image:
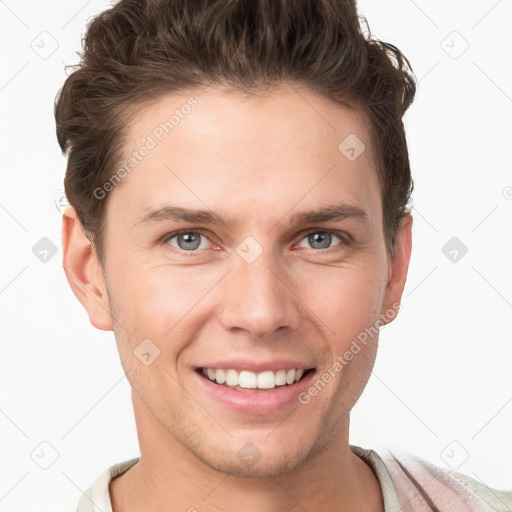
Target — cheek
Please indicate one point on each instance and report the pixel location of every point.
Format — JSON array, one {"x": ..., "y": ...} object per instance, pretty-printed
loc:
[
  {"x": 157, "y": 296},
  {"x": 350, "y": 309},
  {"x": 160, "y": 302},
  {"x": 346, "y": 299}
]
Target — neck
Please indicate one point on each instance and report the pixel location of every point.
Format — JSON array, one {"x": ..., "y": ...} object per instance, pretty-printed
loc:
[{"x": 168, "y": 477}]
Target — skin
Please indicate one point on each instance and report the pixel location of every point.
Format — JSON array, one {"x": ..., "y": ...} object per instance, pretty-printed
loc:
[{"x": 256, "y": 160}]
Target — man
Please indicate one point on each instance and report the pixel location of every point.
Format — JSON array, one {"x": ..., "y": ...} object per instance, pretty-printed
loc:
[{"x": 239, "y": 179}]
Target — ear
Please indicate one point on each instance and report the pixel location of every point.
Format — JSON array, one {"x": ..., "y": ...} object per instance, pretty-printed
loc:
[
  {"x": 398, "y": 267},
  {"x": 83, "y": 271}
]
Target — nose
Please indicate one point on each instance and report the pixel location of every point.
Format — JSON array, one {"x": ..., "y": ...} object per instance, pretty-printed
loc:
[{"x": 258, "y": 298}]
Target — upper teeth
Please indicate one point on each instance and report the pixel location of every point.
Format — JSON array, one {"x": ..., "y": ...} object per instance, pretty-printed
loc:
[{"x": 250, "y": 380}]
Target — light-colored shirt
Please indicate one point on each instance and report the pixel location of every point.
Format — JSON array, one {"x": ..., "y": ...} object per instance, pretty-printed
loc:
[{"x": 408, "y": 485}]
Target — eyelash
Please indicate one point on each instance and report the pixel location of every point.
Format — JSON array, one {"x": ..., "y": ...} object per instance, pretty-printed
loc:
[{"x": 345, "y": 240}]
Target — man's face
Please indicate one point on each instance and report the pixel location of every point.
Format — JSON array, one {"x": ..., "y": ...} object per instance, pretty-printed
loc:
[{"x": 258, "y": 293}]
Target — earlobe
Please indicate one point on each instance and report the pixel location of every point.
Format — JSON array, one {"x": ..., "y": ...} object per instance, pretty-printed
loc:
[
  {"x": 83, "y": 271},
  {"x": 399, "y": 265}
]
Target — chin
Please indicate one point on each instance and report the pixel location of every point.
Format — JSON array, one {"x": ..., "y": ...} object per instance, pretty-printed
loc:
[
  {"x": 263, "y": 465},
  {"x": 256, "y": 455}
]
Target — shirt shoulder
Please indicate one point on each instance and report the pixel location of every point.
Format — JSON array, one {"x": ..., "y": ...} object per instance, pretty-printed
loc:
[
  {"x": 412, "y": 484},
  {"x": 97, "y": 497}
]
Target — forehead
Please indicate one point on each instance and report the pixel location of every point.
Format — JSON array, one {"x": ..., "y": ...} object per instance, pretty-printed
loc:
[{"x": 259, "y": 153}]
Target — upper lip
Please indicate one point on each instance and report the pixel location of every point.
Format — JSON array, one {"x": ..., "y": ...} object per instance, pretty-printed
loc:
[{"x": 256, "y": 366}]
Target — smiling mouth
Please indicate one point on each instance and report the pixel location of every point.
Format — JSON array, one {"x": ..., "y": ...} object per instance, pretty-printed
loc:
[{"x": 251, "y": 381}]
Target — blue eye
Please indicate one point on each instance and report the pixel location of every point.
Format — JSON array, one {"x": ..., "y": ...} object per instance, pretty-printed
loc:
[
  {"x": 187, "y": 240},
  {"x": 322, "y": 239}
]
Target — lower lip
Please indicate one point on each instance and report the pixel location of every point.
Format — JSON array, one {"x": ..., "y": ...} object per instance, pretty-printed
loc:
[{"x": 257, "y": 402}]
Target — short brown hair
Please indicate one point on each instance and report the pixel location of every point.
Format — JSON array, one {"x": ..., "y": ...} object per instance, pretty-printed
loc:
[{"x": 139, "y": 50}]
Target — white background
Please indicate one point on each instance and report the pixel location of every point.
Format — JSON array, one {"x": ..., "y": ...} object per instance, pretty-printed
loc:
[{"x": 442, "y": 385}]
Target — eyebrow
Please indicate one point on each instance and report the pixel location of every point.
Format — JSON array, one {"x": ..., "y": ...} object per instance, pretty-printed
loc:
[{"x": 329, "y": 213}]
